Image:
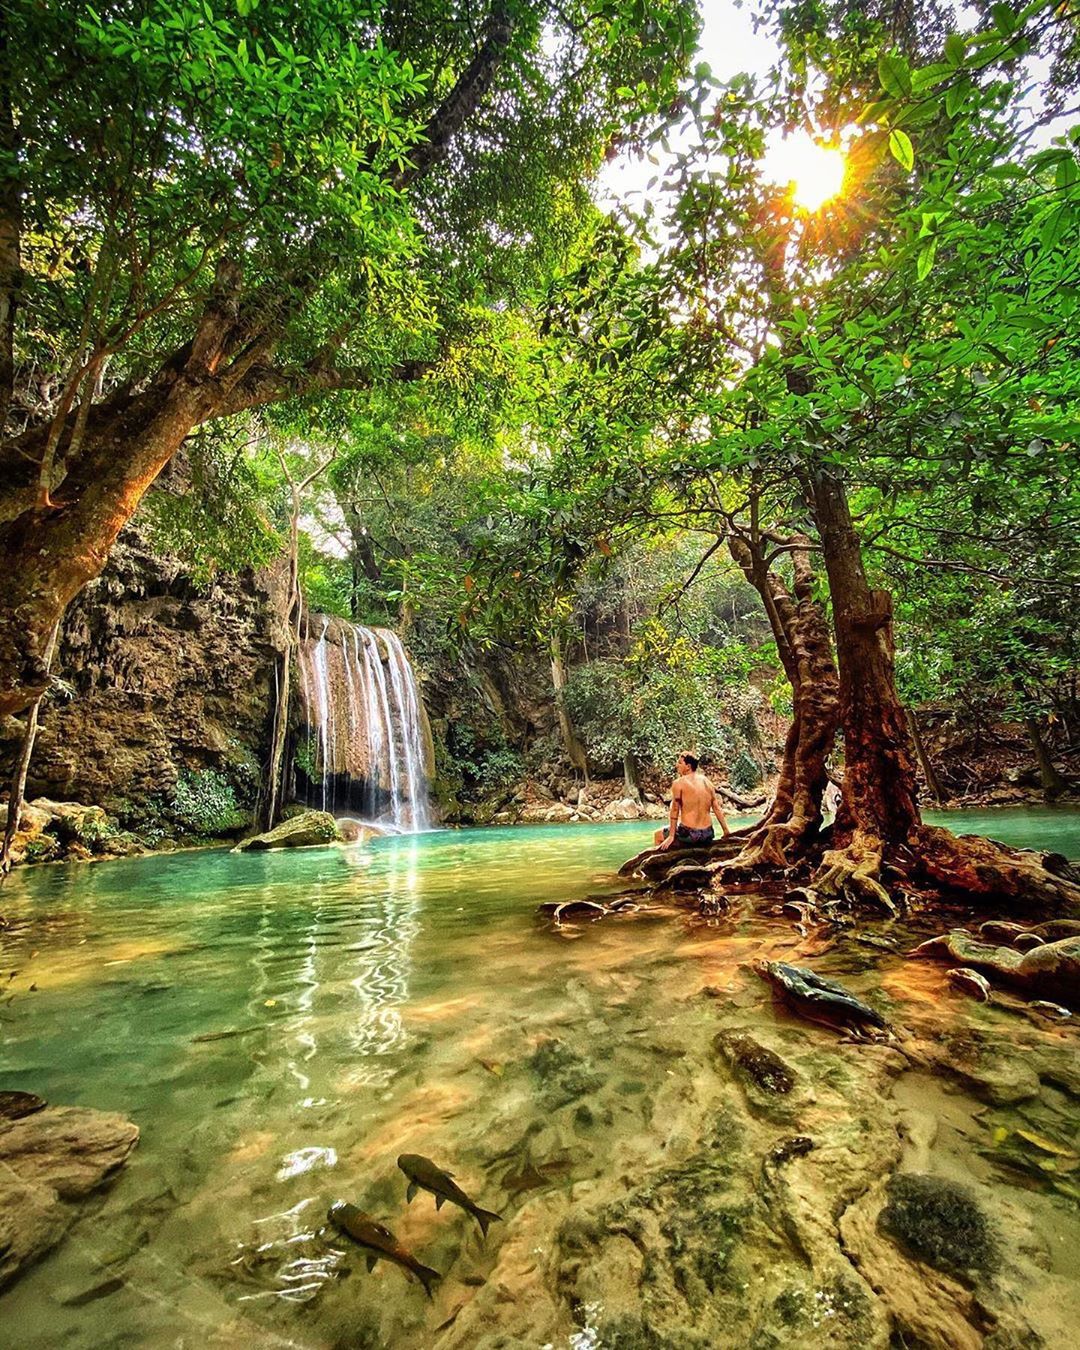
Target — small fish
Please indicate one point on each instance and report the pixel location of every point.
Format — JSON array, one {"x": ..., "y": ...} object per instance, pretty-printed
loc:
[
  {"x": 378, "y": 1242},
  {"x": 970, "y": 981},
  {"x": 532, "y": 1176},
  {"x": 424, "y": 1174}
]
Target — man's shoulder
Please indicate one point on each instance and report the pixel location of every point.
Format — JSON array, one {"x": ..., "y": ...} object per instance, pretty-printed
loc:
[{"x": 676, "y": 787}]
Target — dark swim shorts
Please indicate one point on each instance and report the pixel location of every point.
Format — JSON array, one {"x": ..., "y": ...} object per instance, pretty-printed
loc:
[{"x": 693, "y": 838}]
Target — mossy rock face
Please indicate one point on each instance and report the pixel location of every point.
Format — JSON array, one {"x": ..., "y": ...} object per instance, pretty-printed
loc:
[
  {"x": 941, "y": 1223},
  {"x": 304, "y": 831}
]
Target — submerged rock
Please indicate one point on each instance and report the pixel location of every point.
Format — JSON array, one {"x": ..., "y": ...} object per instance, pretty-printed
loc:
[
  {"x": 562, "y": 1074},
  {"x": 48, "y": 1159},
  {"x": 755, "y": 1063},
  {"x": 940, "y": 1222},
  {"x": 303, "y": 831},
  {"x": 1051, "y": 971},
  {"x": 15, "y": 1105},
  {"x": 819, "y": 999}
]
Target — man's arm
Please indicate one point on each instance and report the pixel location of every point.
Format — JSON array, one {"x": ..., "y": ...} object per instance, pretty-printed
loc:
[
  {"x": 673, "y": 816},
  {"x": 718, "y": 811}
]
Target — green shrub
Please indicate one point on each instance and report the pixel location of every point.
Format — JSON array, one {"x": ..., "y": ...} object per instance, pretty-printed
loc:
[
  {"x": 499, "y": 768},
  {"x": 307, "y": 758},
  {"x": 743, "y": 772},
  {"x": 204, "y": 804}
]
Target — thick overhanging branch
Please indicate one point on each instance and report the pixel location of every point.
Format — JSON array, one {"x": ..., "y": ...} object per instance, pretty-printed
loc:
[
  {"x": 463, "y": 99},
  {"x": 274, "y": 384}
]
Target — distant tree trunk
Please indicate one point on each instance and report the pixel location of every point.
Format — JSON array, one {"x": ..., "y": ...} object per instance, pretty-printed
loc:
[
  {"x": 274, "y": 786},
  {"x": 575, "y": 751},
  {"x": 22, "y": 767},
  {"x": 631, "y": 776},
  {"x": 1053, "y": 783},
  {"x": 933, "y": 782}
]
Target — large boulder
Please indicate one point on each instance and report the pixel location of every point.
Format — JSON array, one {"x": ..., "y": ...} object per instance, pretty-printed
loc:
[
  {"x": 623, "y": 809},
  {"x": 303, "y": 831},
  {"x": 49, "y": 1159}
]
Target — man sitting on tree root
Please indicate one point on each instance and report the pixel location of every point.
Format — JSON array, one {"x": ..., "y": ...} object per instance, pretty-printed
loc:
[{"x": 693, "y": 801}]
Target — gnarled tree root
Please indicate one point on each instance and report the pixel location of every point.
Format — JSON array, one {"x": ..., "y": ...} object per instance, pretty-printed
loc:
[
  {"x": 852, "y": 874},
  {"x": 1017, "y": 880},
  {"x": 774, "y": 844}
]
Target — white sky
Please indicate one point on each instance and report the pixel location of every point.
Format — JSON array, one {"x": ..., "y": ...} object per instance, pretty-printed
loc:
[{"x": 729, "y": 46}]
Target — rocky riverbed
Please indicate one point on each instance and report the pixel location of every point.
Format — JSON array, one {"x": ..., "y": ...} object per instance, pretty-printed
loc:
[{"x": 678, "y": 1159}]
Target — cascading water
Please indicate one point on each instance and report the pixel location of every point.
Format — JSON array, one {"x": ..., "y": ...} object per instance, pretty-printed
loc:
[{"x": 364, "y": 748}]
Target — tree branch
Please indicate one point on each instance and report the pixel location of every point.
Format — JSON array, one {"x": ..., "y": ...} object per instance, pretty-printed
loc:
[
  {"x": 462, "y": 101},
  {"x": 273, "y": 384}
]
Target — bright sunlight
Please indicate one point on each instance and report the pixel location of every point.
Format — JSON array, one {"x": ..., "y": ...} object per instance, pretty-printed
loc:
[{"x": 815, "y": 171}]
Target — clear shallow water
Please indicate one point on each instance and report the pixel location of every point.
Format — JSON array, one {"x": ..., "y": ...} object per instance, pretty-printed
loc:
[{"x": 281, "y": 1026}]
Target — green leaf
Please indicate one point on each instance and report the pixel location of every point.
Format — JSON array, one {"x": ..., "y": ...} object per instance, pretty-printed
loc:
[
  {"x": 926, "y": 260},
  {"x": 901, "y": 149},
  {"x": 955, "y": 47},
  {"x": 954, "y": 98},
  {"x": 1066, "y": 173},
  {"x": 1054, "y": 226},
  {"x": 895, "y": 76},
  {"x": 1005, "y": 20}
]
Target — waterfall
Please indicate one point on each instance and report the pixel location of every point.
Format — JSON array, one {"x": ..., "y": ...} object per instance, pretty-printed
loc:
[{"x": 364, "y": 741}]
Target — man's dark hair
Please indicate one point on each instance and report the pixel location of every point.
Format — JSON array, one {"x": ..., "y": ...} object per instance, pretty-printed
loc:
[{"x": 692, "y": 760}]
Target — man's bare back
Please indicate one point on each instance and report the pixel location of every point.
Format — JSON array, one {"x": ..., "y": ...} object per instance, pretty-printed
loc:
[{"x": 693, "y": 803}]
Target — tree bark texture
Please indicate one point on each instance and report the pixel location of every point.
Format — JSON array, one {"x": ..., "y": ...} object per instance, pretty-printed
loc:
[
  {"x": 879, "y": 791},
  {"x": 22, "y": 767},
  {"x": 575, "y": 751},
  {"x": 1053, "y": 784},
  {"x": 933, "y": 782},
  {"x": 802, "y": 637}
]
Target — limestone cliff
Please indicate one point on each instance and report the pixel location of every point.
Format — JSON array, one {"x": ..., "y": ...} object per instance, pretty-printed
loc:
[{"x": 160, "y": 680}]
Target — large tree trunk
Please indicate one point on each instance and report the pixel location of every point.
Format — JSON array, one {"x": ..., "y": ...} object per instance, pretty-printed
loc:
[
  {"x": 802, "y": 637},
  {"x": 879, "y": 792},
  {"x": 879, "y": 818},
  {"x": 50, "y": 554}
]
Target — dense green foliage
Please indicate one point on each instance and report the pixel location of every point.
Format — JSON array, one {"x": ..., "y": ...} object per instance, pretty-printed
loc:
[{"x": 545, "y": 424}]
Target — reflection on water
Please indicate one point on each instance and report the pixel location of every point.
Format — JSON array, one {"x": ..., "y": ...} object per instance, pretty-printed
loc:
[{"x": 281, "y": 1027}]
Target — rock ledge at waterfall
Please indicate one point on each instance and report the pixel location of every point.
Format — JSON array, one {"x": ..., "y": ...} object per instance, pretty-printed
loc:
[{"x": 49, "y": 1160}]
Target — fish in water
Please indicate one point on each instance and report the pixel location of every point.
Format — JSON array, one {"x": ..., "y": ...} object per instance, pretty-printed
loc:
[
  {"x": 970, "y": 981},
  {"x": 14, "y": 1105},
  {"x": 425, "y": 1175},
  {"x": 379, "y": 1243},
  {"x": 821, "y": 1000}
]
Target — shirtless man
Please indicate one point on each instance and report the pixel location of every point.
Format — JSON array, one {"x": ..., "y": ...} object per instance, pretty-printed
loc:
[{"x": 694, "y": 799}]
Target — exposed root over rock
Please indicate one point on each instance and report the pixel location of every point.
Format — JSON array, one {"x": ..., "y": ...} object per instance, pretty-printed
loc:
[{"x": 1018, "y": 879}]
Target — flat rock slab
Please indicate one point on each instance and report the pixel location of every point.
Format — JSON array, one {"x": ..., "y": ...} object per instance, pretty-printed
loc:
[
  {"x": 48, "y": 1160},
  {"x": 304, "y": 831}
]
